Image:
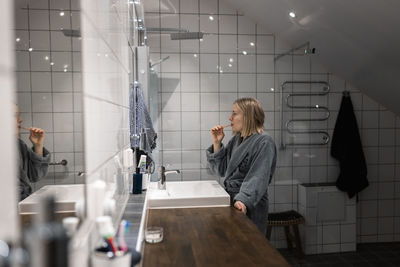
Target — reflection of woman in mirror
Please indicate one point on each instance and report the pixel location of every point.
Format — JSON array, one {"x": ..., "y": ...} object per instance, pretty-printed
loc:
[{"x": 33, "y": 162}]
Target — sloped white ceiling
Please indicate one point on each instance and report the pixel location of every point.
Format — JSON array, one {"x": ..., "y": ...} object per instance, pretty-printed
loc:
[{"x": 358, "y": 40}]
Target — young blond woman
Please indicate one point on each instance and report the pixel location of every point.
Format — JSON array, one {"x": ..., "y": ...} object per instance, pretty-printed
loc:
[{"x": 247, "y": 161}]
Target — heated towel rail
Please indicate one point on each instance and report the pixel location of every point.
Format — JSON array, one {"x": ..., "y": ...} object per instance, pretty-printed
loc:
[{"x": 288, "y": 126}]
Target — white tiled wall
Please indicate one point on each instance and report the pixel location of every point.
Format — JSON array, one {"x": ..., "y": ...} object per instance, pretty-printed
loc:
[
  {"x": 49, "y": 82},
  {"x": 9, "y": 223},
  {"x": 198, "y": 86},
  {"x": 105, "y": 71}
]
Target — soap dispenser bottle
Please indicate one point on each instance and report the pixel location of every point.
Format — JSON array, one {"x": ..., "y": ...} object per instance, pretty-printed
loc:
[{"x": 137, "y": 182}]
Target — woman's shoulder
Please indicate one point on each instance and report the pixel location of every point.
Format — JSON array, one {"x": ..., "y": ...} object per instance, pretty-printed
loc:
[{"x": 264, "y": 138}]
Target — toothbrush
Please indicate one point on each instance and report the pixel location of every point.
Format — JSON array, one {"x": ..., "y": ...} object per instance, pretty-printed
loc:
[
  {"x": 121, "y": 233},
  {"x": 224, "y": 126}
]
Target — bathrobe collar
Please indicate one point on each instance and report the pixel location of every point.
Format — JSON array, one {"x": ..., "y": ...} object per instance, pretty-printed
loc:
[{"x": 240, "y": 152}]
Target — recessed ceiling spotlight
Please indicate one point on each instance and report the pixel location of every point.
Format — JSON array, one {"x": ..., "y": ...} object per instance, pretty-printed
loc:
[
  {"x": 251, "y": 44},
  {"x": 52, "y": 63},
  {"x": 272, "y": 89},
  {"x": 230, "y": 65},
  {"x": 292, "y": 14},
  {"x": 62, "y": 13},
  {"x": 30, "y": 49},
  {"x": 194, "y": 55},
  {"x": 211, "y": 18},
  {"x": 244, "y": 52},
  {"x": 65, "y": 70},
  {"x": 18, "y": 39},
  {"x": 46, "y": 58},
  {"x": 231, "y": 60}
]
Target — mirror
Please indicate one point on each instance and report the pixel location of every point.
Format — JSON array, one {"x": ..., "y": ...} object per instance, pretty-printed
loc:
[{"x": 49, "y": 85}]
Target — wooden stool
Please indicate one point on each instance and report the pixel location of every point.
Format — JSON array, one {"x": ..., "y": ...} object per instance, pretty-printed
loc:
[{"x": 287, "y": 219}]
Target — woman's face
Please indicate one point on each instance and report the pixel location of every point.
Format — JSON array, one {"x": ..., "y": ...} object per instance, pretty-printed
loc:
[
  {"x": 236, "y": 119},
  {"x": 18, "y": 119}
]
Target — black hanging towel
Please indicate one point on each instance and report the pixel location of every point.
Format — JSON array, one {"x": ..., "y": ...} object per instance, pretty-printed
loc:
[{"x": 347, "y": 149}]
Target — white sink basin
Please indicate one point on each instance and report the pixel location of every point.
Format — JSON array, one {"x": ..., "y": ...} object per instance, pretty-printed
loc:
[
  {"x": 188, "y": 194},
  {"x": 66, "y": 197}
]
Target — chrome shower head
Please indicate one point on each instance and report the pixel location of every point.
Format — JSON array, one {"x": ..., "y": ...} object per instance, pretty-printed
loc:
[
  {"x": 309, "y": 50},
  {"x": 186, "y": 35}
]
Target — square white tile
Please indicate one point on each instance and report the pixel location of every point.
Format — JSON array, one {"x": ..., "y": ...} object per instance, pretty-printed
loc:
[
  {"x": 170, "y": 102},
  {"x": 42, "y": 102},
  {"x": 228, "y": 82},
  {"x": 209, "y": 43},
  {"x": 209, "y": 82},
  {"x": 189, "y": 82},
  {"x": 189, "y": 62},
  {"x": 63, "y": 122},
  {"x": 171, "y": 140},
  {"x": 246, "y": 25},
  {"x": 58, "y": 22},
  {"x": 247, "y": 82},
  {"x": 191, "y": 121},
  {"x": 190, "y": 6},
  {"x": 22, "y": 61},
  {"x": 208, "y": 63},
  {"x": 209, "y": 102},
  {"x": 265, "y": 44},
  {"x": 190, "y": 140},
  {"x": 247, "y": 43},
  {"x": 62, "y": 102},
  {"x": 170, "y": 82},
  {"x": 63, "y": 142},
  {"x": 207, "y": 25},
  {"x": 38, "y": 20},
  {"x": 171, "y": 121},
  {"x": 62, "y": 82},
  {"x": 265, "y": 64},
  {"x": 61, "y": 61},
  {"x": 59, "y": 42},
  {"x": 228, "y": 43},
  {"x": 41, "y": 81},
  {"x": 208, "y": 6},
  {"x": 190, "y": 102},
  {"x": 40, "y": 40},
  {"x": 228, "y": 24},
  {"x": 23, "y": 82}
]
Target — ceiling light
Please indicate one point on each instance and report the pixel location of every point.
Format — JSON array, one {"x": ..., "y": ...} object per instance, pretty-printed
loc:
[
  {"x": 62, "y": 13},
  {"x": 251, "y": 44},
  {"x": 292, "y": 14},
  {"x": 52, "y": 63},
  {"x": 231, "y": 60},
  {"x": 65, "y": 70},
  {"x": 211, "y": 18},
  {"x": 230, "y": 65},
  {"x": 65, "y": 66},
  {"x": 244, "y": 52},
  {"x": 18, "y": 39},
  {"x": 46, "y": 58},
  {"x": 194, "y": 55},
  {"x": 30, "y": 49},
  {"x": 272, "y": 89}
]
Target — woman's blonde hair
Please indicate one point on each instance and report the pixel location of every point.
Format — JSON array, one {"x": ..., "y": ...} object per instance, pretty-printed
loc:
[{"x": 253, "y": 115}]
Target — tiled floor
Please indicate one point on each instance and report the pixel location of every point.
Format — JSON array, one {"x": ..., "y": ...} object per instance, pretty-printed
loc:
[{"x": 373, "y": 254}]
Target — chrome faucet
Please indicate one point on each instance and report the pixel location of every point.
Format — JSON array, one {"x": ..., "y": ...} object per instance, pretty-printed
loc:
[{"x": 161, "y": 177}]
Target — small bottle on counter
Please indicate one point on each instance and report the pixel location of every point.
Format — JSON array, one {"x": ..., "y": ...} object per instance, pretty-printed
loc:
[{"x": 137, "y": 182}]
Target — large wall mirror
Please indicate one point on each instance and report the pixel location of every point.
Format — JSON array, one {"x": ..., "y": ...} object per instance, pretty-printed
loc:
[{"x": 49, "y": 84}]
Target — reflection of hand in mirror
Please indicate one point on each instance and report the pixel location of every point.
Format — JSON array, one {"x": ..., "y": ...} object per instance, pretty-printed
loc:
[{"x": 33, "y": 164}]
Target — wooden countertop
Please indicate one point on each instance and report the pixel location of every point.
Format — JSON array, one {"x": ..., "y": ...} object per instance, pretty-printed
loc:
[{"x": 208, "y": 237}]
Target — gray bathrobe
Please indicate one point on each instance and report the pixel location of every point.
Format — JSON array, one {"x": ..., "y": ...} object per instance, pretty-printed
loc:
[
  {"x": 248, "y": 168},
  {"x": 32, "y": 167}
]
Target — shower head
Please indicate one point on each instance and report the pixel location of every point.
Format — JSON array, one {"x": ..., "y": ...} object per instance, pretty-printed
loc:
[
  {"x": 309, "y": 50},
  {"x": 186, "y": 35},
  {"x": 71, "y": 33},
  {"x": 158, "y": 62}
]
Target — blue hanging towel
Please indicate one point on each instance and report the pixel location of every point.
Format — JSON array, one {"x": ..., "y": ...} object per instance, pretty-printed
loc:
[{"x": 143, "y": 121}]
